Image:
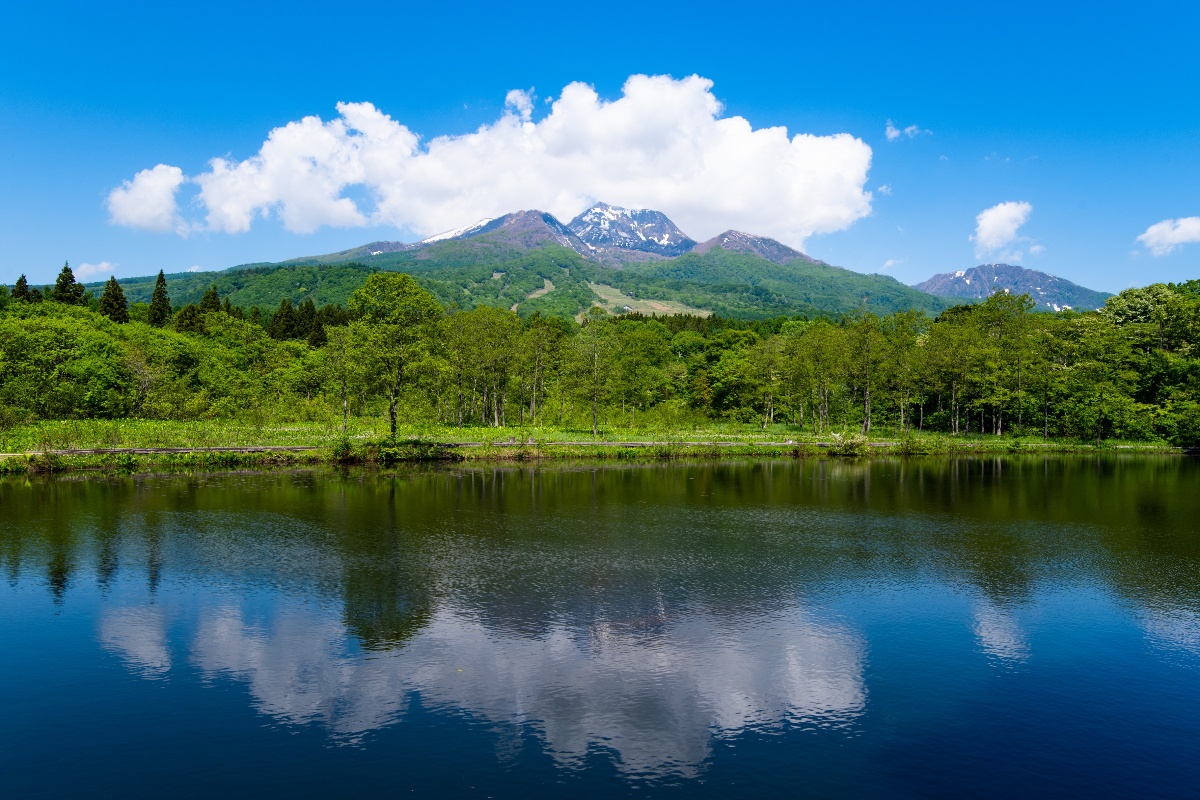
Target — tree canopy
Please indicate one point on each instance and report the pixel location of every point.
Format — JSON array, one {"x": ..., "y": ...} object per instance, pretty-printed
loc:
[{"x": 1129, "y": 371}]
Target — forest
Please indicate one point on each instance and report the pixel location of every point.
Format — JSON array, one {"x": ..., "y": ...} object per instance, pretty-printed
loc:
[{"x": 1130, "y": 371}]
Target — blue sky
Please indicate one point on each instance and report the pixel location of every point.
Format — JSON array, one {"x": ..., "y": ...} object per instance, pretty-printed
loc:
[{"x": 1078, "y": 126}]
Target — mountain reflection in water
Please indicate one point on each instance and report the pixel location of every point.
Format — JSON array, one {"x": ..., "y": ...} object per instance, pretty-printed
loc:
[{"x": 649, "y": 617}]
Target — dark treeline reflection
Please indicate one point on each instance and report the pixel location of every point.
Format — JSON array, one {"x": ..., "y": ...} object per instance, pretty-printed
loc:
[{"x": 568, "y": 540}]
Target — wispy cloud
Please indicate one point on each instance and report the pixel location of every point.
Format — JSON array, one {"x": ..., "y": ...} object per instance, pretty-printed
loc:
[
  {"x": 1164, "y": 237},
  {"x": 911, "y": 131},
  {"x": 664, "y": 143},
  {"x": 85, "y": 271},
  {"x": 885, "y": 190}
]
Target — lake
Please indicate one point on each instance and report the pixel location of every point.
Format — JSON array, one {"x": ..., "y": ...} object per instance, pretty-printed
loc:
[{"x": 889, "y": 628}]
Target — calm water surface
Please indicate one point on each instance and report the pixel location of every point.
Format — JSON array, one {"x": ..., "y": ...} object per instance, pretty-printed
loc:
[{"x": 919, "y": 628}]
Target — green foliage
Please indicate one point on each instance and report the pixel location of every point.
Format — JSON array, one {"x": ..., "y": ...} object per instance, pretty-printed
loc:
[
  {"x": 852, "y": 446},
  {"x": 189, "y": 320},
  {"x": 995, "y": 369}
]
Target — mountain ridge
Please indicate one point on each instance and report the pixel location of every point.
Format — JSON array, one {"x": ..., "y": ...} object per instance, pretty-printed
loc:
[{"x": 1049, "y": 292}]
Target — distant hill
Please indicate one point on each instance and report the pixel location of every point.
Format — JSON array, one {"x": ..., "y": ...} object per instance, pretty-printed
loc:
[
  {"x": 744, "y": 284},
  {"x": 1048, "y": 291}
]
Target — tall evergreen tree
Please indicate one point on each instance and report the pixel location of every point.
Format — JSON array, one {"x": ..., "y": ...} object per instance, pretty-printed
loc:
[
  {"x": 160, "y": 303},
  {"x": 21, "y": 290},
  {"x": 306, "y": 319},
  {"x": 211, "y": 301},
  {"x": 112, "y": 303},
  {"x": 67, "y": 290},
  {"x": 283, "y": 321},
  {"x": 256, "y": 316}
]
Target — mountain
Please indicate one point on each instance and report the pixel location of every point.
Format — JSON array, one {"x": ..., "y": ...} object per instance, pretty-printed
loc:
[
  {"x": 1048, "y": 291},
  {"x": 530, "y": 262},
  {"x": 761, "y": 246},
  {"x": 618, "y": 233}
]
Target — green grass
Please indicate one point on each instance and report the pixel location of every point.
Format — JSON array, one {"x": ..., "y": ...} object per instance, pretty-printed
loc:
[{"x": 367, "y": 443}]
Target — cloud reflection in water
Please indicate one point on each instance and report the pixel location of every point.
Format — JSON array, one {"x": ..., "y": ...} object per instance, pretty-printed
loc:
[{"x": 656, "y": 701}]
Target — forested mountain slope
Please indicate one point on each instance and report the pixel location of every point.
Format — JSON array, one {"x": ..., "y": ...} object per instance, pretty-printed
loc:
[
  {"x": 554, "y": 280},
  {"x": 746, "y": 285}
]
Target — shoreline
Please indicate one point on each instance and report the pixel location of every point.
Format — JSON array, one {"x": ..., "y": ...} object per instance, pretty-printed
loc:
[{"x": 124, "y": 460}]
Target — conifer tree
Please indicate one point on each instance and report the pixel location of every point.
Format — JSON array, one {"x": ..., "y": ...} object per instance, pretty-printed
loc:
[
  {"x": 160, "y": 303},
  {"x": 36, "y": 295},
  {"x": 306, "y": 319},
  {"x": 67, "y": 290},
  {"x": 317, "y": 338},
  {"x": 283, "y": 321},
  {"x": 112, "y": 303},
  {"x": 256, "y": 316},
  {"x": 21, "y": 290},
  {"x": 211, "y": 301}
]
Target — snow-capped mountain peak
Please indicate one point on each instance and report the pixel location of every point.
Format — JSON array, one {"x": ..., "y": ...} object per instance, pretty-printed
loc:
[{"x": 612, "y": 228}]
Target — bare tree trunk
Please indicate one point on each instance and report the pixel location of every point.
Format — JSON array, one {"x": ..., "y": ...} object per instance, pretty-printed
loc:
[
  {"x": 345, "y": 405},
  {"x": 866, "y": 426},
  {"x": 394, "y": 398}
]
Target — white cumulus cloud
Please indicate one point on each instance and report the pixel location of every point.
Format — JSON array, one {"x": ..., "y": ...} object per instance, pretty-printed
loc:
[
  {"x": 996, "y": 230},
  {"x": 662, "y": 144},
  {"x": 148, "y": 200},
  {"x": 1163, "y": 237}
]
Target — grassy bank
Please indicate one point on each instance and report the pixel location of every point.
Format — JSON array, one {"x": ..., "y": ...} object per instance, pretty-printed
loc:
[{"x": 48, "y": 446}]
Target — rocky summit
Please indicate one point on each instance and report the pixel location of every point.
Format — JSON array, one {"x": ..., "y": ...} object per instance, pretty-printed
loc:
[
  {"x": 612, "y": 230},
  {"x": 761, "y": 246}
]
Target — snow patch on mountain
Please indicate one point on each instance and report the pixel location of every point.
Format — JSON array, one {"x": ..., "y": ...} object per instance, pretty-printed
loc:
[
  {"x": 1048, "y": 291},
  {"x": 458, "y": 233}
]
